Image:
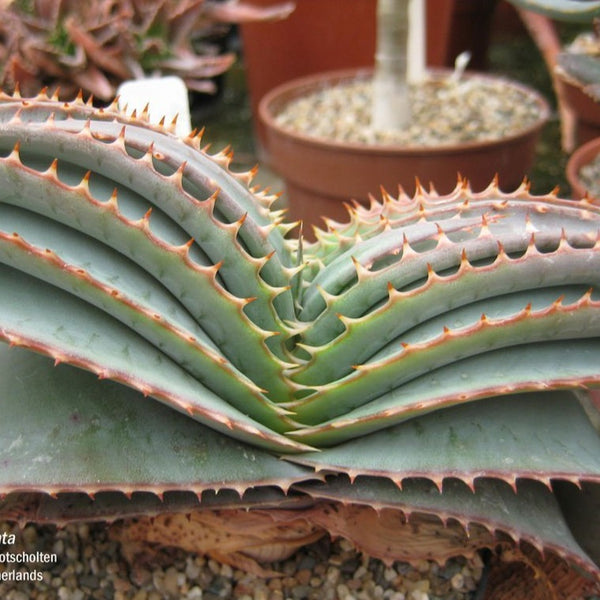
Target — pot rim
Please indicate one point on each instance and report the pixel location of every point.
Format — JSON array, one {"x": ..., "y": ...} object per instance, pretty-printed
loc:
[{"x": 296, "y": 87}]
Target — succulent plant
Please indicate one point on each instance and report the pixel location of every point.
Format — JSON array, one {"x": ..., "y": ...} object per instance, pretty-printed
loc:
[
  {"x": 172, "y": 348},
  {"x": 95, "y": 46}
]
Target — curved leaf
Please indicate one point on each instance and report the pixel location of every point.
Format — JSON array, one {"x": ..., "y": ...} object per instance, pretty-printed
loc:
[{"x": 62, "y": 430}]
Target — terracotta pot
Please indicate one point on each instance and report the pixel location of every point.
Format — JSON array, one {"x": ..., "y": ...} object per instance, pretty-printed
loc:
[
  {"x": 320, "y": 175},
  {"x": 586, "y": 110},
  {"x": 582, "y": 156},
  {"x": 327, "y": 35}
]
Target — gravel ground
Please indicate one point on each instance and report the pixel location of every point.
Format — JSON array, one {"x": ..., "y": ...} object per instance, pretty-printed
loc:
[
  {"x": 443, "y": 112},
  {"x": 82, "y": 563}
]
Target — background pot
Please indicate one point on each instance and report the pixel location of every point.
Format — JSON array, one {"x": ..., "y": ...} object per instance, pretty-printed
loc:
[
  {"x": 320, "y": 175},
  {"x": 327, "y": 35},
  {"x": 582, "y": 156},
  {"x": 585, "y": 109}
]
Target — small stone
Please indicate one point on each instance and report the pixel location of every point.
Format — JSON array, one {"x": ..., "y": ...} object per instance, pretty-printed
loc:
[
  {"x": 58, "y": 547},
  {"x": 336, "y": 561},
  {"x": 458, "y": 581},
  {"x": 192, "y": 568},
  {"x": 300, "y": 592},
  {"x": 83, "y": 531},
  {"x": 140, "y": 576},
  {"x": 64, "y": 593},
  {"x": 29, "y": 537},
  {"x": 354, "y": 584},
  {"x": 470, "y": 584},
  {"x": 194, "y": 593},
  {"x": 261, "y": 593},
  {"x": 423, "y": 566},
  {"x": 423, "y": 585},
  {"x": 226, "y": 570},
  {"x": 303, "y": 576},
  {"x": 360, "y": 572},
  {"x": 243, "y": 590},
  {"x": 332, "y": 576},
  {"x": 343, "y": 592},
  {"x": 275, "y": 584},
  {"x": 121, "y": 585},
  {"x": 172, "y": 582},
  {"x": 288, "y": 582},
  {"x": 221, "y": 587},
  {"x": 72, "y": 553}
]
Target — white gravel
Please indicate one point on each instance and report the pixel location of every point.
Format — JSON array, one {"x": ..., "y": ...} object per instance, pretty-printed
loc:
[{"x": 444, "y": 111}]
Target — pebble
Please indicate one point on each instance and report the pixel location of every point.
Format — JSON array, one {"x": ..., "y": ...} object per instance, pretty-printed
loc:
[
  {"x": 91, "y": 567},
  {"x": 443, "y": 111}
]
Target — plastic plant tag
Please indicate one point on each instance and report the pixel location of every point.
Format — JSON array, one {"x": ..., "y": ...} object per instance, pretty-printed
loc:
[{"x": 165, "y": 97}]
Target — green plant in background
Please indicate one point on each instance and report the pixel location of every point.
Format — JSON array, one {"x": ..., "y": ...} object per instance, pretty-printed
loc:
[
  {"x": 94, "y": 46},
  {"x": 431, "y": 356}
]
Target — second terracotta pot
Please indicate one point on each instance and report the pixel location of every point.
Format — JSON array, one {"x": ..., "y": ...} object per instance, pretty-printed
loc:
[
  {"x": 321, "y": 176},
  {"x": 585, "y": 109},
  {"x": 584, "y": 155}
]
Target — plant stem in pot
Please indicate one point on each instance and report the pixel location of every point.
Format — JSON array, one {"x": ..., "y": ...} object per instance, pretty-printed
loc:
[{"x": 400, "y": 34}]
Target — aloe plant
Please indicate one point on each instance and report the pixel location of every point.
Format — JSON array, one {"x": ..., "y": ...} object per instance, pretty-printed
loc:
[{"x": 423, "y": 358}]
